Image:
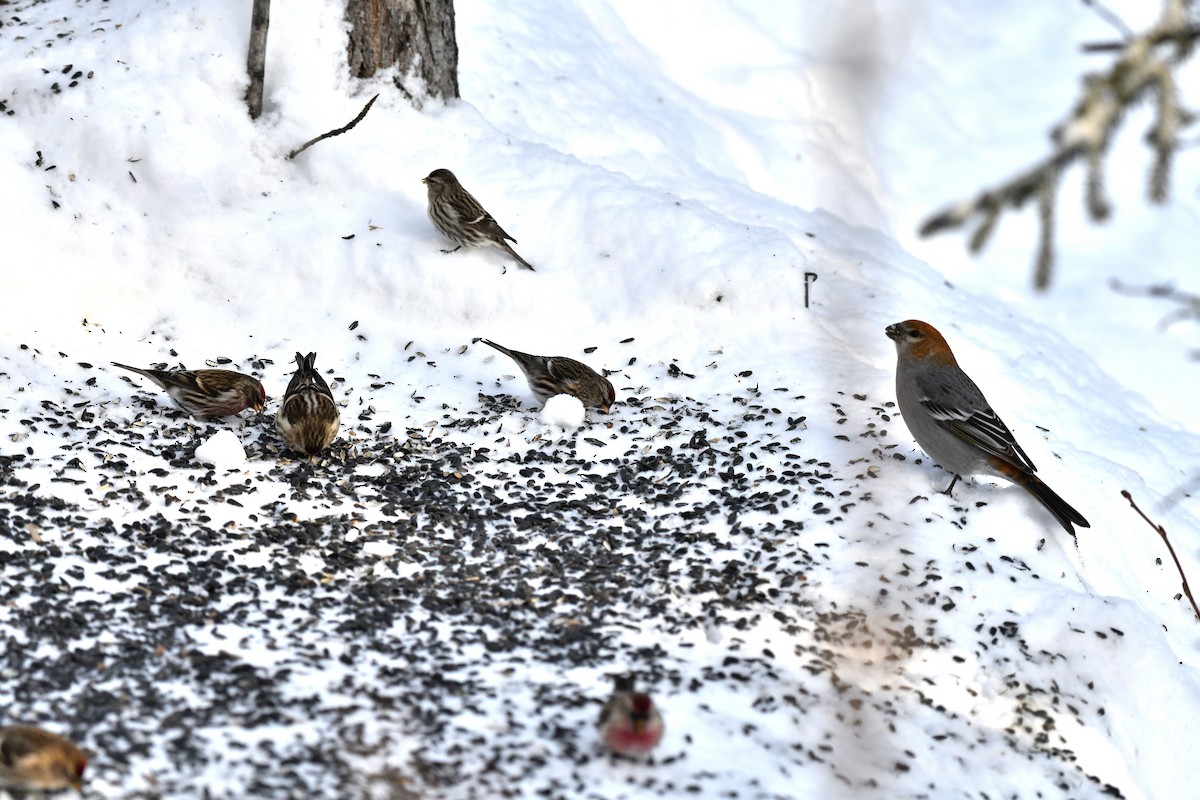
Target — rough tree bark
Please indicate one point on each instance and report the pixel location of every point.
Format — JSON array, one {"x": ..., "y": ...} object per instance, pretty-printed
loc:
[
  {"x": 416, "y": 35},
  {"x": 256, "y": 60}
]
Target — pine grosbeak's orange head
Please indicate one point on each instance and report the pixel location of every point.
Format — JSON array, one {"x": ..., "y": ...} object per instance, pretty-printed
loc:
[{"x": 954, "y": 423}]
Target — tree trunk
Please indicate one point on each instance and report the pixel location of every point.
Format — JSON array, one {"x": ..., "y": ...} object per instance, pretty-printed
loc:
[
  {"x": 256, "y": 59},
  {"x": 416, "y": 35}
]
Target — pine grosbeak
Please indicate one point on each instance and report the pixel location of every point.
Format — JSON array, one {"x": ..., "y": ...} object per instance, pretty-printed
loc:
[{"x": 953, "y": 422}]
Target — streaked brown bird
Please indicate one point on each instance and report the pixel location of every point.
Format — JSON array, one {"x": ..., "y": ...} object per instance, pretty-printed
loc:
[
  {"x": 551, "y": 375},
  {"x": 630, "y": 723},
  {"x": 33, "y": 759},
  {"x": 461, "y": 219},
  {"x": 308, "y": 417},
  {"x": 207, "y": 393}
]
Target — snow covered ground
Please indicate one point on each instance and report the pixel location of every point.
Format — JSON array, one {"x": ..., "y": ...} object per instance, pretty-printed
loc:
[{"x": 435, "y": 609}]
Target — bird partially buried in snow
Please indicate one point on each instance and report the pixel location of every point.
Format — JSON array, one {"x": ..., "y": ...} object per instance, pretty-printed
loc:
[
  {"x": 33, "y": 759},
  {"x": 630, "y": 724},
  {"x": 954, "y": 423},
  {"x": 308, "y": 417},
  {"x": 551, "y": 375},
  {"x": 207, "y": 393},
  {"x": 461, "y": 219}
]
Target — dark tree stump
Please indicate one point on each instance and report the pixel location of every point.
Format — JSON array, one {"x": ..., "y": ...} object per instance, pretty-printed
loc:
[{"x": 416, "y": 35}]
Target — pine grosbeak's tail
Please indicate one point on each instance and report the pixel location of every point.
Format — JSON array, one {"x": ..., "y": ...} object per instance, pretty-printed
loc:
[{"x": 953, "y": 422}]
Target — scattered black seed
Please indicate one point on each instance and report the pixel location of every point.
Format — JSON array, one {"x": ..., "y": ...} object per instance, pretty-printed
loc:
[{"x": 702, "y": 512}]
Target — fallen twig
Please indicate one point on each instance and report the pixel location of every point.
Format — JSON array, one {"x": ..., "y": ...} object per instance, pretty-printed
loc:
[
  {"x": 1163, "y": 533},
  {"x": 337, "y": 132}
]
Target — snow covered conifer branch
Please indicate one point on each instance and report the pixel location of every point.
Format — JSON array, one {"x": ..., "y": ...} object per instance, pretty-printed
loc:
[{"x": 1144, "y": 68}]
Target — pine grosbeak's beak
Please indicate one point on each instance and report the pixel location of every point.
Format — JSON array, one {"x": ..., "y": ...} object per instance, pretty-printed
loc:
[
  {"x": 32, "y": 759},
  {"x": 953, "y": 422},
  {"x": 629, "y": 723}
]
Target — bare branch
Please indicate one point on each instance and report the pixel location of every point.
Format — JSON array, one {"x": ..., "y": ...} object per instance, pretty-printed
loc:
[
  {"x": 336, "y": 132},
  {"x": 1045, "y": 255},
  {"x": 1144, "y": 67},
  {"x": 1188, "y": 32},
  {"x": 1110, "y": 17},
  {"x": 1163, "y": 533},
  {"x": 1189, "y": 304}
]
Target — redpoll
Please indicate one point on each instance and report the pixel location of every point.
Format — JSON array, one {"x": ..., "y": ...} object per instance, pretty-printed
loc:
[
  {"x": 207, "y": 393},
  {"x": 629, "y": 723},
  {"x": 460, "y": 218},
  {"x": 551, "y": 375},
  {"x": 308, "y": 417},
  {"x": 32, "y": 759}
]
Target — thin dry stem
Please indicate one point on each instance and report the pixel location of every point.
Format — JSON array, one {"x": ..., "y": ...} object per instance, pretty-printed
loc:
[
  {"x": 336, "y": 132},
  {"x": 1163, "y": 533}
]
